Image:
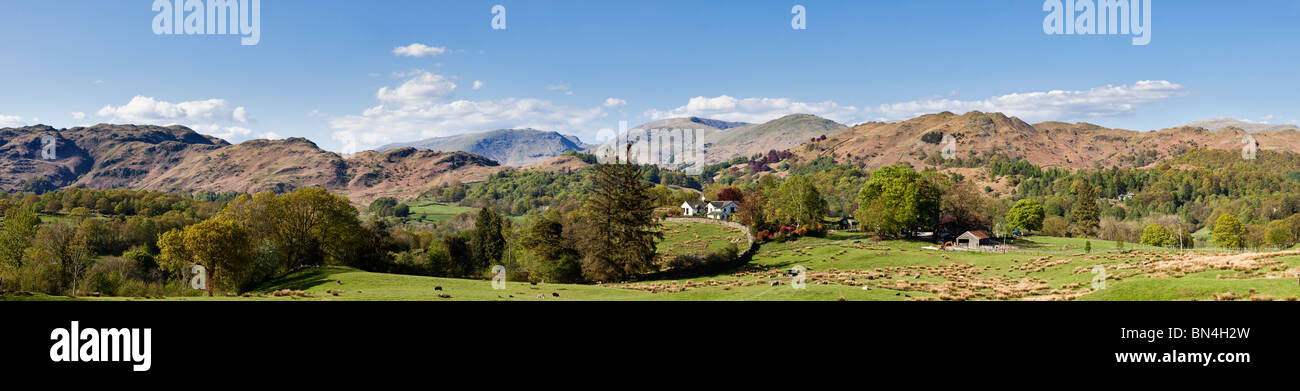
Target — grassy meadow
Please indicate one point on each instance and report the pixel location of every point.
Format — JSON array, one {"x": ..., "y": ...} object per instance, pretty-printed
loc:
[
  {"x": 841, "y": 264},
  {"x": 434, "y": 212}
]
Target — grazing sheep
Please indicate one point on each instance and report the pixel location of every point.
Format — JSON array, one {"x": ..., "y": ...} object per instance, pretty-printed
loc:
[
  {"x": 555, "y": 294},
  {"x": 437, "y": 288}
]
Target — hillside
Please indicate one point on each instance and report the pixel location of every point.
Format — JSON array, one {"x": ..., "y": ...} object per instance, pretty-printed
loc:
[
  {"x": 177, "y": 159},
  {"x": 512, "y": 147},
  {"x": 779, "y": 134},
  {"x": 100, "y": 156},
  {"x": 285, "y": 165},
  {"x": 703, "y": 127},
  {"x": 560, "y": 164},
  {"x": 1058, "y": 144},
  {"x": 726, "y": 140}
]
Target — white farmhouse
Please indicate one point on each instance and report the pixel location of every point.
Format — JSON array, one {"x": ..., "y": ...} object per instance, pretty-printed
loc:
[
  {"x": 694, "y": 208},
  {"x": 717, "y": 210},
  {"x": 721, "y": 210}
]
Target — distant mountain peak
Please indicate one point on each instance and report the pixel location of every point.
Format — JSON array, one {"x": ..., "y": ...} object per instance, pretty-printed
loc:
[
  {"x": 1215, "y": 124},
  {"x": 718, "y": 124},
  {"x": 512, "y": 147}
]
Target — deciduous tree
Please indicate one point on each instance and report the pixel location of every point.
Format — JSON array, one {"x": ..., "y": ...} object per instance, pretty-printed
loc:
[
  {"x": 1027, "y": 215},
  {"x": 1228, "y": 232},
  {"x": 897, "y": 200},
  {"x": 218, "y": 244}
]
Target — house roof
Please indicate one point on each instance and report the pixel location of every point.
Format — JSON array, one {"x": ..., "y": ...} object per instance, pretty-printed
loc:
[
  {"x": 721, "y": 204},
  {"x": 977, "y": 234},
  {"x": 694, "y": 204}
]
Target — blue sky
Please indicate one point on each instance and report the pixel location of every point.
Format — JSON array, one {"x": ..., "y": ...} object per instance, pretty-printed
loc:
[{"x": 328, "y": 70}]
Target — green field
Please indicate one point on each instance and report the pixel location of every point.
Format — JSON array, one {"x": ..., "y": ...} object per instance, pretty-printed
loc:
[
  {"x": 840, "y": 264},
  {"x": 434, "y": 212},
  {"x": 698, "y": 239}
]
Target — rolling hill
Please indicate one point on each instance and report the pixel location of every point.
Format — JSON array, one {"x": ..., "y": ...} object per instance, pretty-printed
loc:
[
  {"x": 1056, "y": 144},
  {"x": 289, "y": 164},
  {"x": 100, "y": 156},
  {"x": 779, "y": 134},
  {"x": 512, "y": 147},
  {"x": 726, "y": 140},
  {"x": 177, "y": 159}
]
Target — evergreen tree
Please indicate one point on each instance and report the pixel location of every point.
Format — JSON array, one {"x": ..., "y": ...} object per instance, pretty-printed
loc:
[
  {"x": 1085, "y": 215},
  {"x": 552, "y": 259},
  {"x": 619, "y": 229}
]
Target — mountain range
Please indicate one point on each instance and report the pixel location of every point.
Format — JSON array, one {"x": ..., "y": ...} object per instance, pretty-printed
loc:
[
  {"x": 1055, "y": 144},
  {"x": 1249, "y": 126},
  {"x": 724, "y": 141},
  {"x": 176, "y": 158},
  {"x": 512, "y": 147}
]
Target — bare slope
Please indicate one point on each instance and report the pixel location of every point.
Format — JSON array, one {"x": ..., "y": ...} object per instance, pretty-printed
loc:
[
  {"x": 1058, "y": 144},
  {"x": 512, "y": 147}
]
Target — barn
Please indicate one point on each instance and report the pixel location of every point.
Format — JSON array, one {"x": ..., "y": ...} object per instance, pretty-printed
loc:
[{"x": 974, "y": 239}]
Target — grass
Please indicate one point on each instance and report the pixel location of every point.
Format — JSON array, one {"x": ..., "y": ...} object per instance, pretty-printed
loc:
[
  {"x": 434, "y": 212},
  {"x": 838, "y": 265},
  {"x": 698, "y": 239}
]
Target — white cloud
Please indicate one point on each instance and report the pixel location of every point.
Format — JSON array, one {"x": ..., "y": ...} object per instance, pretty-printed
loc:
[
  {"x": 615, "y": 102},
  {"x": 381, "y": 125},
  {"x": 78, "y": 115},
  {"x": 478, "y": 84},
  {"x": 147, "y": 110},
  {"x": 234, "y": 134},
  {"x": 11, "y": 121},
  {"x": 419, "y": 50},
  {"x": 1107, "y": 101},
  {"x": 421, "y": 108},
  {"x": 421, "y": 89},
  {"x": 562, "y": 87},
  {"x": 756, "y": 110},
  {"x": 213, "y": 117}
]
